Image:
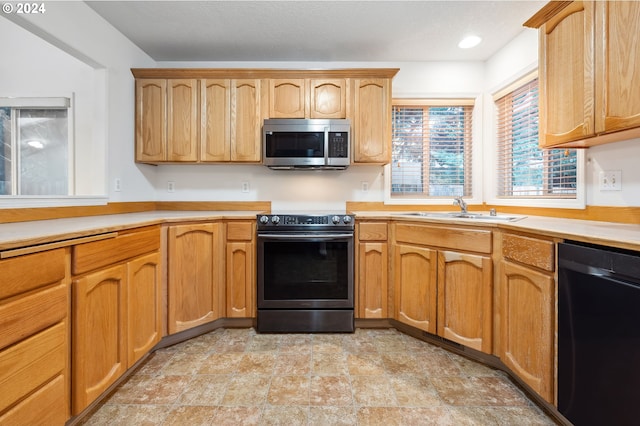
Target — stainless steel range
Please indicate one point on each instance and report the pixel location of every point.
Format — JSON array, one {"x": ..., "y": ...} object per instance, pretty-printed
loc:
[{"x": 305, "y": 273}]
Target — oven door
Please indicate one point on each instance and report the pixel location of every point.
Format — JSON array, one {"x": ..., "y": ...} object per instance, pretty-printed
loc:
[{"x": 305, "y": 271}]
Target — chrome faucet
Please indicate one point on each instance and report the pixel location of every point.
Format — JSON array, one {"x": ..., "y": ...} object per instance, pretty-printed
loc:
[{"x": 460, "y": 202}]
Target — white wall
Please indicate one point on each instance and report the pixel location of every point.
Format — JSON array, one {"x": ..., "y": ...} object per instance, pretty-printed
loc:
[{"x": 71, "y": 36}]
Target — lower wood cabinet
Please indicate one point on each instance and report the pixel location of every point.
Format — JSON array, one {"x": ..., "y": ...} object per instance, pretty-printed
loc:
[
  {"x": 465, "y": 294},
  {"x": 527, "y": 308},
  {"x": 34, "y": 339},
  {"x": 372, "y": 270},
  {"x": 99, "y": 333},
  {"x": 240, "y": 270},
  {"x": 445, "y": 292},
  {"x": 116, "y": 309},
  {"x": 196, "y": 275},
  {"x": 415, "y": 281}
]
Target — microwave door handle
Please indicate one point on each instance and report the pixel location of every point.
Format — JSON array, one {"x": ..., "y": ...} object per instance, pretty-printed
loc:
[{"x": 326, "y": 145}]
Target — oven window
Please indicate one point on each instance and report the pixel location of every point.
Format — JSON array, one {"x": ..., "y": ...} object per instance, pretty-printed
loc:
[
  {"x": 295, "y": 144},
  {"x": 306, "y": 270}
]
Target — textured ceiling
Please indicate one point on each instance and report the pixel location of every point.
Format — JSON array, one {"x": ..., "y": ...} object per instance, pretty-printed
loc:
[{"x": 316, "y": 30}]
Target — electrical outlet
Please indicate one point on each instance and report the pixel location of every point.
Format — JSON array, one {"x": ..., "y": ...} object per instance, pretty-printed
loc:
[
  {"x": 117, "y": 185},
  {"x": 611, "y": 180},
  {"x": 365, "y": 186},
  {"x": 171, "y": 186},
  {"x": 245, "y": 187}
]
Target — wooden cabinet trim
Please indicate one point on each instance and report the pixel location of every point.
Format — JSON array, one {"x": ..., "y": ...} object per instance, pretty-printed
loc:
[
  {"x": 529, "y": 251},
  {"x": 159, "y": 73}
]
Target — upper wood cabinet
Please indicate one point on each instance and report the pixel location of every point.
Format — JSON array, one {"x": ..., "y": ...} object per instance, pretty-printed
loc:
[
  {"x": 589, "y": 61},
  {"x": 216, "y": 115},
  {"x": 308, "y": 98},
  {"x": 371, "y": 121}
]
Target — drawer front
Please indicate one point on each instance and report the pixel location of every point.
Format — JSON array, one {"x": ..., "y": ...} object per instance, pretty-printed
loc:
[
  {"x": 240, "y": 231},
  {"x": 30, "y": 314},
  {"x": 26, "y": 366},
  {"x": 47, "y": 406},
  {"x": 446, "y": 237},
  {"x": 529, "y": 251},
  {"x": 28, "y": 272},
  {"x": 98, "y": 254},
  {"x": 372, "y": 231}
]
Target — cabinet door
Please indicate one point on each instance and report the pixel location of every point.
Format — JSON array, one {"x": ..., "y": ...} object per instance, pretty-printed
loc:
[
  {"x": 527, "y": 326},
  {"x": 215, "y": 133},
  {"x": 567, "y": 77},
  {"x": 151, "y": 117},
  {"x": 619, "y": 70},
  {"x": 99, "y": 333},
  {"x": 194, "y": 275},
  {"x": 465, "y": 291},
  {"x": 372, "y": 280},
  {"x": 144, "y": 305},
  {"x": 182, "y": 120},
  {"x": 247, "y": 115},
  {"x": 287, "y": 98},
  {"x": 415, "y": 286},
  {"x": 328, "y": 98},
  {"x": 371, "y": 122},
  {"x": 240, "y": 281}
]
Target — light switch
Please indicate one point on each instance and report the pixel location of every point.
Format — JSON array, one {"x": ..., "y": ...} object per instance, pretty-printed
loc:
[{"x": 611, "y": 180}]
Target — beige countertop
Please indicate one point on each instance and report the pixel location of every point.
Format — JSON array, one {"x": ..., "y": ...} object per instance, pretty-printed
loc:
[
  {"x": 24, "y": 234},
  {"x": 614, "y": 234}
]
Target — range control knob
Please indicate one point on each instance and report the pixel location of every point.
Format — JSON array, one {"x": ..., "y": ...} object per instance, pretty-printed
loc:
[
  {"x": 275, "y": 220},
  {"x": 264, "y": 220},
  {"x": 346, "y": 219},
  {"x": 335, "y": 219}
]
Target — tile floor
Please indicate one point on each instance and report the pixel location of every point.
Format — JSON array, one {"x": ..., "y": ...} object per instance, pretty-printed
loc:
[{"x": 371, "y": 377}]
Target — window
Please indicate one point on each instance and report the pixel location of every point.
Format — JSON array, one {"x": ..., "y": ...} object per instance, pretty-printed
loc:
[
  {"x": 34, "y": 146},
  {"x": 524, "y": 170},
  {"x": 431, "y": 148}
]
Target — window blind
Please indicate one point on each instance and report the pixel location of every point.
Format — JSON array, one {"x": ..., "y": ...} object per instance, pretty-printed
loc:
[
  {"x": 525, "y": 170},
  {"x": 431, "y": 149}
]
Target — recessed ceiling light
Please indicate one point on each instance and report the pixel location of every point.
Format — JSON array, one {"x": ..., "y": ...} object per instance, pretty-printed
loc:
[{"x": 469, "y": 42}]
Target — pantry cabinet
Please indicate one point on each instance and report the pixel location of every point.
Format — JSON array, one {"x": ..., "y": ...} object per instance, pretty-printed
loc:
[
  {"x": 443, "y": 281},
  {"x": 372, "y": 270},
  {"x": 240, "y": 270},
  {"x": 34, "y": 339},
  {"x": 589, "y": 60},
  {"x": 371, "y": 120},
  {"x": 195, "y": 275},
  {"x": 527, "y": 302},
  {"x": 116, "y": 309}
]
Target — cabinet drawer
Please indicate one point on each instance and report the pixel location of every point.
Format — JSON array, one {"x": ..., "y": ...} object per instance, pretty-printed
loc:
[
  {"x": 26, "y": 366},
  {"x": 529, "y": 251},
  {"x": 30, "y": 314},
  {"x": 98, "y": 254},
  {"x": 372, "y": 231},
  {"x": 240, "y": 231},
  {"x": 447, "y": 237},
  {"x": 47, "y": 407},
  {"x": 25, "y": 273}
]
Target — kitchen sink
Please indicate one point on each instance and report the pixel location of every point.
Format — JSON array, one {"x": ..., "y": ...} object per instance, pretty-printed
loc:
[{"x": 461, "y": 215}]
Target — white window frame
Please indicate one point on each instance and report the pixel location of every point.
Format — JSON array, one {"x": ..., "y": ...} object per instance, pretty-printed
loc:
[
  {"x": 476, "y": 156},
  {"x": 491, "y": 158}
]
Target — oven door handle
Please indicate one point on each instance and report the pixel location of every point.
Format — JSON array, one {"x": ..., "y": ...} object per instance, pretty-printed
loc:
[{"x": 304, "y": 236}]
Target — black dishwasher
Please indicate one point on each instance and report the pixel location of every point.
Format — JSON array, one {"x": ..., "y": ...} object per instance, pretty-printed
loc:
[{"x": 598, "y": 334}]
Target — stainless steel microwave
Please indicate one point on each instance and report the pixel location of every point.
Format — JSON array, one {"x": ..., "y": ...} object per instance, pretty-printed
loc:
[{"x": 306, "y": 144}]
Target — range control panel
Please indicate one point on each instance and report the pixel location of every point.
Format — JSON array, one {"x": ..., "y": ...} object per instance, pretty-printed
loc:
[{"x": 312, "y": 221}]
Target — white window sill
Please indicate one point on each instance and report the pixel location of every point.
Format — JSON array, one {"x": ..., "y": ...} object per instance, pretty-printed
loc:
[{"x": 25, "y": 201}]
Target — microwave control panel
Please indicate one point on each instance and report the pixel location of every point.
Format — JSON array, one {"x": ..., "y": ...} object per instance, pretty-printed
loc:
[{"x": 338, "y": 145}]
